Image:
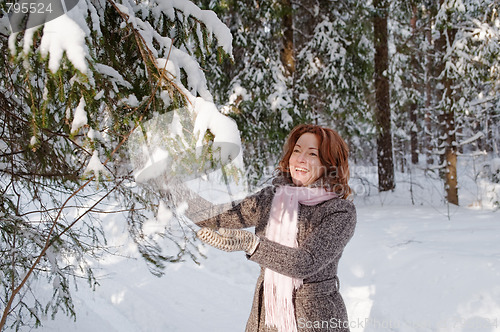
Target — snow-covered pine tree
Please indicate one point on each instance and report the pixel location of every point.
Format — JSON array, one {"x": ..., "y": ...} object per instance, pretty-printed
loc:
[
  {"x": 466, "y": 40},
  {"x": 254, "y": 90},
  {"x": 407, "y": 70},
  {"x": 471, "y": 100},
  {"x": 71, "y": 93},
  {"x": 474, "y": 65},
  {"x": 328, "y": 83},
  {"x": 333, "y": 79}
]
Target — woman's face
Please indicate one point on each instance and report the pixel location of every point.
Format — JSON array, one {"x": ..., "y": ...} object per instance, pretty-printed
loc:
[{"x": 305, "y": 165}]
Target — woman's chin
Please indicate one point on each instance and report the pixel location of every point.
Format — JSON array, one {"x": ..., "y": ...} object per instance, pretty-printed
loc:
[{"x": 300, "y": 182}]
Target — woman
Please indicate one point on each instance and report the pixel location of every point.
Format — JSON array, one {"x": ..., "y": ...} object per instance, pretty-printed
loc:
[{"x": 302, "y": 225}]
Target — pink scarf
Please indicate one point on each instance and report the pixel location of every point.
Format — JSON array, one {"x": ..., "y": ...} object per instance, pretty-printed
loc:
[{"x": 282, "y": 228}]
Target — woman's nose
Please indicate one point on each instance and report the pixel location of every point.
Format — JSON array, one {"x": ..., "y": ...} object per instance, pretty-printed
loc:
[{"x": 301, "y": 158}]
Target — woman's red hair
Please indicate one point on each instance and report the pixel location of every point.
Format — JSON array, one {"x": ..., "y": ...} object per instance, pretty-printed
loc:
[{"x": 333, "y": 153}]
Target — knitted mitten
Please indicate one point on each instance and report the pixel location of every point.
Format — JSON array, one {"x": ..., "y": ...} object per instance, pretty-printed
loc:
[{"x": 229, "y": 239}]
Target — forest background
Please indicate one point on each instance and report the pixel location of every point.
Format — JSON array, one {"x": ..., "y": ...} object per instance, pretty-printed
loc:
[{"x": 413, "y": 87}]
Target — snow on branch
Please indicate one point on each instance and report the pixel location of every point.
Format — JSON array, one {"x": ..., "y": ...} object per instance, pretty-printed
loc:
[
  {"x": 472, "y": 139},
  {"x": 74, "y": 34},
  {"x": 70, "y": 33},
  {"x": 213, "y": 24}
]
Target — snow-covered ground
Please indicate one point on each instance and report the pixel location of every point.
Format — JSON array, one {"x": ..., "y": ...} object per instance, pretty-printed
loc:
[{"x": 422, "y": 267}]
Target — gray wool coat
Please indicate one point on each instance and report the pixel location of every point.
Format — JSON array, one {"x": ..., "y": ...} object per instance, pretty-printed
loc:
[{"x": 323, "y": 232}]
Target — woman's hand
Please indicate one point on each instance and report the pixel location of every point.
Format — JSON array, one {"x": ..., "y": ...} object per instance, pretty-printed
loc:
[{"x": 229, "y": 239}]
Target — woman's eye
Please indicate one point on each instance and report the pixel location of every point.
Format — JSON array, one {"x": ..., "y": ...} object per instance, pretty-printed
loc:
[
  {"x": 296, "y": 150},
  {"x": 314, "y": 154}
]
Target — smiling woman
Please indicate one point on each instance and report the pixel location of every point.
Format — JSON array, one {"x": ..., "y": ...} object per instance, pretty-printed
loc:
[
  {"x": 314, "y": 153},
  {"x": 304, "y": 163},
  {"x": 302, "y": 225}
]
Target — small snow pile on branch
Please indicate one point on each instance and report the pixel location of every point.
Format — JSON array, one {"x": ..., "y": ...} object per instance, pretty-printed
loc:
[{"x": 80, "y": 117}]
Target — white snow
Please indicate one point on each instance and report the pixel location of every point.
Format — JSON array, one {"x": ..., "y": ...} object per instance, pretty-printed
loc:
[
  {"x": 208, "y": 17},
  {"x": 116, "y": 77},
  {"x": 80, "y": 117},
  {"x": 131, "y": 101},
  {"x": 95, "y": 166},
  {"x": 64, "y": 35},
  {"x": 197, "y": 83},
  {"x": 12, "y": 43},
  {"x": 238, "y": 92},
  {"x": 473, "y": 138},
  {"x": 94, "y": 134},
  {"x": 154, "y": 167},
  {"x": 155, "y": 226},
  {"x": 224, "y": 129}
]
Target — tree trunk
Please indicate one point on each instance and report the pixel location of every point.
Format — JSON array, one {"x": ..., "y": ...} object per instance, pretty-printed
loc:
[
  {"x": 447, "y": 137},
  {"x": 288, "y": 49},
  {"x": 382, "y": 107},
  {"x": 450, "y": 157},
  {"x": 428, "y": 94},
  {"x": 413, "y": 104},
  {"x": 306, "y": 16}
]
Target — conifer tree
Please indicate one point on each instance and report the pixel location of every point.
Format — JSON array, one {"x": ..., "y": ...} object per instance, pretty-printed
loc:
[
  {"x": 441, "y": 78},
  {"x": 279, "y": 79},
  {"x": 406, "y": 73},
  {"x": 465, "y": 39},
  {"x": 72, "y": 91}
]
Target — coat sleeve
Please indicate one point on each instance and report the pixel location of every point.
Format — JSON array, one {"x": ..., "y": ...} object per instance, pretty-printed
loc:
[
  {"x": 246, "y": 213},
  {"x": 319, "y": 249}
]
